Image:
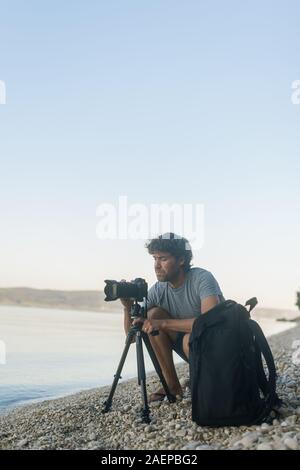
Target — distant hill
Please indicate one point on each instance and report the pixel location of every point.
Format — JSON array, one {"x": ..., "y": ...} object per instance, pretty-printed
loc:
[
  {"x": 94, "y": 301},
  {"x": 275, "y": 313},
  {"x": 60, "y": 299}
]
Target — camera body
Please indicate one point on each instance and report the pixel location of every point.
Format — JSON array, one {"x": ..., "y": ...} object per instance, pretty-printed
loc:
[{"x": 136, "y": 289}]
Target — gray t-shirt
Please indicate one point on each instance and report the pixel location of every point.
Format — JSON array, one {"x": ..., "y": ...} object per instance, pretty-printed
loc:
[{"x": 184, "y": 301}]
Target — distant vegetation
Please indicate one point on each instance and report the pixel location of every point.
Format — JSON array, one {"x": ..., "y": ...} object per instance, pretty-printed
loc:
[
  {"x": 60, "y": 299},
  {"x": 298, "y": 300}
]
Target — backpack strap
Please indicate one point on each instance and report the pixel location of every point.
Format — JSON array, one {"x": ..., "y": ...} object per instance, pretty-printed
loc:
[
  {"x": 268, "y": 386},
  {"x": 252, "y": 303},
  {"x": 261, "y": 376}
]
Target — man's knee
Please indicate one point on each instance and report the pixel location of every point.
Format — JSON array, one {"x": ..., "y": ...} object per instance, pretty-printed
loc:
[{"x": 156, "y": 313}]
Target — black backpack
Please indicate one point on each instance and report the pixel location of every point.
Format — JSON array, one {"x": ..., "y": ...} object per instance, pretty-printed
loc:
[{"x": 228, "y": 383}]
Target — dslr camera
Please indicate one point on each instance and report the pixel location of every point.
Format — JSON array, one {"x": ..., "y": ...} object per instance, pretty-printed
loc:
[{"x": 136, "y": 289}]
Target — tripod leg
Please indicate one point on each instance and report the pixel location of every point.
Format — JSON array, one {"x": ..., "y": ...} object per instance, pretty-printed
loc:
[
  {"x": 157, "y": 367},
  {"x": 142, "y": 378},
  {"x": 108, "y": 402}
]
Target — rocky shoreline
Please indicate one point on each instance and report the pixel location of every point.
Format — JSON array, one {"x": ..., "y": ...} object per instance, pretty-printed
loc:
[{"x": 76, "y": 422}]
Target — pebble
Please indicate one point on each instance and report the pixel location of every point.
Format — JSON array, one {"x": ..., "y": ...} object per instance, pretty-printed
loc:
[
  {"x": 264, "y": 446},
  {"x": 181, "y": 433},
  {"x": 249, "y": 439},
  {"x": 291, "y": 443},
  {"x": 149, "y": 428},
  {"x": 22, "y": 443},
  {"x": 191, "y": 446}
]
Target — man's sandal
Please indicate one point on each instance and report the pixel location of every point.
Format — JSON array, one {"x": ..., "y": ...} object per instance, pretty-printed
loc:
[{"x": 157, "y": 396}]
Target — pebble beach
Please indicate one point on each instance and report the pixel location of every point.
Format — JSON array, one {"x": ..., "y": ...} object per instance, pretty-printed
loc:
[{"x": 76, "y": 421}]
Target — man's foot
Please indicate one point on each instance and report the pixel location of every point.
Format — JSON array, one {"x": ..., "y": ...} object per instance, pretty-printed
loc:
[
  {"x": 161, "y": 394},
  {"x": 157, "y": 396}
]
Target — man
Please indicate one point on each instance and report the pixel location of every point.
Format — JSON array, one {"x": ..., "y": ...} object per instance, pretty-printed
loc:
[{"x": 180, "y": 295}]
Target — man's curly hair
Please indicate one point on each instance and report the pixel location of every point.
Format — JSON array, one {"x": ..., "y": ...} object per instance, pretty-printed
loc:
[{"x": 175, "y": 245}]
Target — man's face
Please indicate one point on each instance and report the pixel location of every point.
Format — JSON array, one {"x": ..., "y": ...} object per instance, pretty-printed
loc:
[{"x": 166, "y": 266}]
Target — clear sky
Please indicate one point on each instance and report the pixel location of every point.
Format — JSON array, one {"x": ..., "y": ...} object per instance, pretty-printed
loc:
[{"x": 161, "y": 101}]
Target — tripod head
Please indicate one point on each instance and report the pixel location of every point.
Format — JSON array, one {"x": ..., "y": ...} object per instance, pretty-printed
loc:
[{"x": 138, "y": 311}]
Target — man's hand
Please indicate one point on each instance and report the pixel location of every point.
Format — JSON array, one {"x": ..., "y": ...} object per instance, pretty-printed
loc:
[{"x": 149, "y": 325}]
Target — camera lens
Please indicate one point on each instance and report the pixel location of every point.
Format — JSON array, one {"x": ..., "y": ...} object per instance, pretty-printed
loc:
[{"x": 136, "y": 289}]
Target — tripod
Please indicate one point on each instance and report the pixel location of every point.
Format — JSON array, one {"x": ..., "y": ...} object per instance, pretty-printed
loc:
[{"x": 136, "y": 332}]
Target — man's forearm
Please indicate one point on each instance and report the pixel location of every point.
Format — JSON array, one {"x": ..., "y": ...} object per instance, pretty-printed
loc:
[
  {"x": 127, "y": 320},
  {"x": 184, "y": 326}
]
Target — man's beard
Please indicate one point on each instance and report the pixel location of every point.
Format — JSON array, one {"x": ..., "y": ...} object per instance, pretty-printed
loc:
[{"x": 164, "y": 277}]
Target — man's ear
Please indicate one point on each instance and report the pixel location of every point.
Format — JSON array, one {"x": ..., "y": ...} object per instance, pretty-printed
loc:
[{"x": 181, "y": 261}]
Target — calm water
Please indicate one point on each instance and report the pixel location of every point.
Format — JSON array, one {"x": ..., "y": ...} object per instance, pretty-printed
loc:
[{"x": 52, "y": 353}]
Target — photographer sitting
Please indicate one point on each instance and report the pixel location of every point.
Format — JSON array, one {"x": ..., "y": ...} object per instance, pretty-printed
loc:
[{"x": 174, "y": 301}]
